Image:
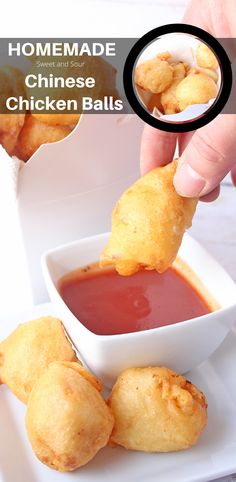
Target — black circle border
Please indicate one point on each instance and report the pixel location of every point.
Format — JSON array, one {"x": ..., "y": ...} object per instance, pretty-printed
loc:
[{"x": 226, "y": 73}]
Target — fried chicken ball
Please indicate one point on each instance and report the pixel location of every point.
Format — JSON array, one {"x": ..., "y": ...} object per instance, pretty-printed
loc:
[
  {"x": 67, "y": 420},
  {"x": 35, "y": 133},
  {"x": 154, "y": 75},
  {"x": 205, "y": 57},
  {"x": 195, "y": 89},
  {"x": 28, "y": 350},
  {"x": 156, "y": 410},
  {"x": 148, "y": 224},
  {"x": 11, "y": 85},
  {"x": 168, "y": 97}
]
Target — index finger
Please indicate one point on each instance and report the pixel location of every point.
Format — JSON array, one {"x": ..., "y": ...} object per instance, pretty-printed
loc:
[{"x": 157, "y": 148}]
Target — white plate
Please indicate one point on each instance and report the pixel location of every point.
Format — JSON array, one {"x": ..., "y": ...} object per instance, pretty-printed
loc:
[{"x": 214, "y": 456}]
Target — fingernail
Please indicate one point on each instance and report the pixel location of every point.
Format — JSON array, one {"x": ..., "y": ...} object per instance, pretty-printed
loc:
[{"x": 188, "y": 182}]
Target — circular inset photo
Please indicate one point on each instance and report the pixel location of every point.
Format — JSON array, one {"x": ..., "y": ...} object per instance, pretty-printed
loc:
[{"x": 177, "y": 79}]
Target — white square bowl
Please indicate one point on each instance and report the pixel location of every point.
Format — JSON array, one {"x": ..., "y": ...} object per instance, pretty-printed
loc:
[{"x": 180, "y": 346}]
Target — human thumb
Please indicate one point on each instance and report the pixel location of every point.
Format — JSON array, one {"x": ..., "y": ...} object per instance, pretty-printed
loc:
[{"x": 208, "y": 157}]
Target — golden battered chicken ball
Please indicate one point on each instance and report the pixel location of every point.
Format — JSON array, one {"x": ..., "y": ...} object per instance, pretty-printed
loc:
[
  {"x": 205, "y": 57},
  {"x": 11, "y": 85},
  {"x": 156, "y": 410},
  {"x": 168, "y": 97},
  {"x": 154, "y": 75},
  {"x": 35, "y": 133},
  {"x": 28, "y": 350},
  {"x": 148, "y": 224},
  {"x": 195, "y": 89},
  {"x": 67, "y": 420}
]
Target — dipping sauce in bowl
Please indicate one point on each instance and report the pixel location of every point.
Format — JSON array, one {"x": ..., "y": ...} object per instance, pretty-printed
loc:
[{"x": 107, "y": 303}]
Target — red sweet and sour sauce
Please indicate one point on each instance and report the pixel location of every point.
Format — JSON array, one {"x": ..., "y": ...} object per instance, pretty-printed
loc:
[{"x": 107, "y": 303}]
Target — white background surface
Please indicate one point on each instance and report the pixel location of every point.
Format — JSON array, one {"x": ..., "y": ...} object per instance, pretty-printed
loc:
[{"x": 62, "y": 18}]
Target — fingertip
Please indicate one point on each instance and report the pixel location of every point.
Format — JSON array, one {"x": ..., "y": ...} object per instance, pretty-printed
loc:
[
  {"x": 187, "y": 181},
  {"x": 147, "y": 149},
  {"x": 157, "y": 148},
  {"x": 211, "y": 196}
]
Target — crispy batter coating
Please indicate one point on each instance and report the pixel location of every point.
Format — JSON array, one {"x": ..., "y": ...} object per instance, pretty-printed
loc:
[
  {"x": 195, "y": 89},
  {"x": 103, "y": 72},
  {"x": 205, "y": 57},
  {"x": 11, "y": 85},
  {"x": 67, "y": 420},
  {"x": 57, "y": 119},
  {"x": 154, "y": 75},
  {"x": 164, "y": 55},
  {"x": 148, "y": 224},
  {"x": 10, "y": 127},
  {"x": 210, "y": 72},
  {"x": 168, "y": 97},
  {"x": 28, "y": 350},
  {"x": 35, "y": 133},
  {"x": 156, "y": 410}
]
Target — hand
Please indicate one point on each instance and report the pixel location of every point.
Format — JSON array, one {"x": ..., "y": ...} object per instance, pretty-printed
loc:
[{"x": 209, "y": 153}]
